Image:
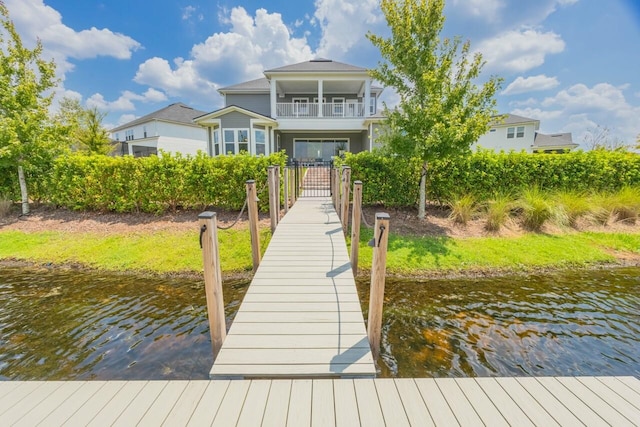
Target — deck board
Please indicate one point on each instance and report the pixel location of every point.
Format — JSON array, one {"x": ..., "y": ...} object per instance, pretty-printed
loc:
[
  {"x": 324, "y": 402},
  {"x": 301, "y": 315}
]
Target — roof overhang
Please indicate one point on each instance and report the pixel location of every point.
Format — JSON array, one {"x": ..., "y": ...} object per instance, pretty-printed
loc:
[{"x": 212, "y": 118}]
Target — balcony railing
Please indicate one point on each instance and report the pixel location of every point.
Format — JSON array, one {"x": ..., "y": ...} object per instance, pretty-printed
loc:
[{"x": 305, "y": 110}]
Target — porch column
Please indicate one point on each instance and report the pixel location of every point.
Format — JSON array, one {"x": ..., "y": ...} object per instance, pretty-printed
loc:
[
  {"x": 320, "y": 93},
  {"x": 367, "y": 97},
  {"x": 274, "y": 97},
  {"x": 272, "y": 140}
]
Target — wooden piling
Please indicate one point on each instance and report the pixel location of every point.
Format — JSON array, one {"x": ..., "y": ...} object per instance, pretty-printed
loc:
[
  {"x": 252, "y": 206},
  {"x": 378, "y": 272},
  {"x": 294, "y": 188},
  {"x": 344, "y": 201},
  {"x": 278, "y": 194},
  {"x": 273, "y": 207},
  {"x": 336, "y": 189},
  {"x": 355, "y": 225},
  {"x": 285, "y": 176},
  {"x": 212, "y": 279}
]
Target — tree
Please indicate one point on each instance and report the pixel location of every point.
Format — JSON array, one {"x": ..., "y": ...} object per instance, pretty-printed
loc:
[
  {"x": 83, "y": 127},
  {"x": 26, "y": 133},
  {"x": 441, "y": 111},
  {"x": 600, "y": 138}
]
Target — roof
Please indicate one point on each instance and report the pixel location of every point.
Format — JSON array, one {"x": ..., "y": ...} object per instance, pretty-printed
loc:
[
  {"x": 257, "y": 85},
  {"x": 555, "y": 141},
  {"x": 512, "y": 119},
  {"x": 178, "y": 113},
  {"x": 318, "y": 65},
  {"x": 232, "y": 108}
]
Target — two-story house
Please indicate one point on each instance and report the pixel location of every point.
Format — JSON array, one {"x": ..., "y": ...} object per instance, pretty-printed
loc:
[
  {"x": 170, "y": 129},
  {"x": 517, "y": 133},
  {"x": 312, "y": 110}
]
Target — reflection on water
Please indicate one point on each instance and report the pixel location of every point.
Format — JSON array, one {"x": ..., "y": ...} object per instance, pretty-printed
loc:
[
  {"x": 571, "y": 323},
  {"x": 76, "y": 325}
]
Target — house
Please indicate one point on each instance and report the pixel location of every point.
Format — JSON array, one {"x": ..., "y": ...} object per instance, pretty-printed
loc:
[
  {"x": 170, "y": 129},
  {"x": 516, "y": 133},
  {"x": 312, "y": 110}
]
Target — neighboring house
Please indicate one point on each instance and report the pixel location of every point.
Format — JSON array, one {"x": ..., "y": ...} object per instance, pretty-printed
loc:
[
  {"x": 170, "y": 129},
  {"x": 519, "y": 133},
  {"x": 313, "y": 110}
]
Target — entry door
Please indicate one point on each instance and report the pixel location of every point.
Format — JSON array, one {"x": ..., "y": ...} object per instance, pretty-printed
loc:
[{"x": 301, "y": 106}]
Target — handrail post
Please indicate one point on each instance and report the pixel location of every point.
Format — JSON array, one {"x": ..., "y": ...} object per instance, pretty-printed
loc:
[
  {"x": 355, "y": 225},
  {"x": 252, "y": 204},
  {"x": 273, "y": 213},
  {"x": 212, "y": 279},
  {"x": 285, "y": 176},
  {"x": 277, "y": 194},
  {"x": 336, "y": 187},
  {"x": 344, "y": 203},
  {"x": 378, "y": 272}
]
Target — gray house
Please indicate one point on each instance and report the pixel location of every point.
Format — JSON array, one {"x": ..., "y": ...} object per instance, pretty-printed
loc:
[{"x": 312, "y": 110}]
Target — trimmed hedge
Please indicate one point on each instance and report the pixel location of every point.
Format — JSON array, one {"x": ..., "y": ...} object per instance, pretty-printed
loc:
[
  {"x": 394, "y": 181},
  {"x": 157, "y": 183}
]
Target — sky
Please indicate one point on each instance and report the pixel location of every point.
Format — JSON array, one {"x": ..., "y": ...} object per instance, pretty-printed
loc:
[{"x": 572, "y": 64}]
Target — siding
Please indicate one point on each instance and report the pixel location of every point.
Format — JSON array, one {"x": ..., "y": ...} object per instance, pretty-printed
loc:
[
  {"x": 498, "y": 140},
  {"x": 355, "y": 139},
  {"x": 257, "y": 103},
  {"x": 235, "y": 120}
]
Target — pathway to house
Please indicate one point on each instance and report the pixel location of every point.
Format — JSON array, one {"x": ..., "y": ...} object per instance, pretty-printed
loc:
[{"x": 301, "y": 315}]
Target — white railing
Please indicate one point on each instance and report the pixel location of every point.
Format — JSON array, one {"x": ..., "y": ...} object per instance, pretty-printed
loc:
[{"x": 310, "y": 109}]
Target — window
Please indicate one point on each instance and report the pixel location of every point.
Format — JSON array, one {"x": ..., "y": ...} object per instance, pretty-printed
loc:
[
  {"x": 515, "y": 132},
  {"x": 259, "y": 136},
  {"x": 372, "y": 105},
  {"x": 144, "y": 131},
  {"x": 216, "y": 142},
  {"x": 300, "y": 106},
  {"x": 236, "y": 140},
  {"x": 139, "y": 151},
  {"x": 117, "y": 137},
  {"x": 128, "y": 135}
]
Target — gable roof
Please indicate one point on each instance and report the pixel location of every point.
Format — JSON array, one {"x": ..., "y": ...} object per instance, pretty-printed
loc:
[
  {"x": 555, "y": 141},
  {"x": 233, "y": 108},
  {"x": 257, "y": 85},
  {"x": 318, "y": 65},
  {"x": 177, "y": 113}
]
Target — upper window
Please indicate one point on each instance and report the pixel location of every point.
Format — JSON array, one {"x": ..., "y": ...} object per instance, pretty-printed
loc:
[
  {"x": 338, "y": 106},
  {"x": 128, "y": 135},
  {"x": 515, "y": 132}
]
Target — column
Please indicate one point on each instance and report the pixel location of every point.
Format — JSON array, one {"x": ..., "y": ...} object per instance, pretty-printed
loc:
[
  {"x": 320, "y": 96},
  {"x": 367, "y": 97},
  {"x": 274, "y": 98}
]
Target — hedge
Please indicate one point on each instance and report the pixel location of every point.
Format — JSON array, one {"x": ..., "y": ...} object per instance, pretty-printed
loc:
[
  {"x": 394, "y": 181},
  {"x": 156, "y": 183}
]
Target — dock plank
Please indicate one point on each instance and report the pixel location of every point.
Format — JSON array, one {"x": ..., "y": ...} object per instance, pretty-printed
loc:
[
  {"x": 392, "y": 408},
  {"x": 207, "y": 408},
  {"x": 255, "y": 403},
  {"x": 414, "y": 406},
  {"x": 69, "y": 407},
  {"x": 322, "y": 404},
  {"x": 346, "y": 406},
  {"x": 141, "y": 404},
  {"x": 186, "y": 404},
  {"x": 277, "y": 409},
  {"x": 485, "y": 408},
  {"x": 112, "y": 409},
  {"x": 571, "y": 402},
  {"x": 505, "y": 404},
  {"x": 47, "y": 406},
  {"x": 232, "y": 403}
]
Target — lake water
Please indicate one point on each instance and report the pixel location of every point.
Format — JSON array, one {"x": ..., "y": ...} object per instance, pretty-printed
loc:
[{"x": 75, "y": 325}]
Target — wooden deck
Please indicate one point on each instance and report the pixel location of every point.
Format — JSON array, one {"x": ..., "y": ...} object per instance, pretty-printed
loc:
[
  {"x": 567, "y": 401},
  {"x": 301, "y": 316}
]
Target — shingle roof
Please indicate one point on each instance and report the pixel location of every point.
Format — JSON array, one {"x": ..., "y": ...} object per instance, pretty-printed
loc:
[
  {"x": 258, "y": 85},
  {"x": 512, "y": 119},
  {"x": 178, "y": 112},
  {"x": 318, "y": 65},
  {"x": 554, "y": 140}
]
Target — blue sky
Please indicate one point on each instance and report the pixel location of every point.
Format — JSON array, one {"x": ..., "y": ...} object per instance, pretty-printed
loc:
[{"x": 573, "y": 64}]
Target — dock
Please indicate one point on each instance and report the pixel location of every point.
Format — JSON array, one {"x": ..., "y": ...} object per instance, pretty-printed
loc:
[
  {"x": 550, "y": 401},
  {"x": 301, "y": 316}
]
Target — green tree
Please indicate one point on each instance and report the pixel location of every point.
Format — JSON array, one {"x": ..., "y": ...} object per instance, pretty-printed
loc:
[
  {"x": 83, "y": 127},
  {"x": 441, "y": 110},
  {"x": 27, "y": 135}
]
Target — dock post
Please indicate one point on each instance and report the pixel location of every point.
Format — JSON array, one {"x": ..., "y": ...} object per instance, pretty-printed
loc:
[
  {"x": 378, "y": 272},
  {"x": 252, "y": 205},
  {"x": 278, "y": 193},
  {"x": 285, "y": 176},
  {"x": 294, "y": 182},
  {"x": 212, "y": 279},
  {"x": 344, "y": 203},
  {"x": 273, "y": 213},
  {"x": 337, "y": 185},
  {"x": 355, "y": 225}
]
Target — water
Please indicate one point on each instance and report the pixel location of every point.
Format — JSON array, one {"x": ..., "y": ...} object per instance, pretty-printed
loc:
[
  {"x": 569, "y": 323},
  {"x": 73, "y": 325}
]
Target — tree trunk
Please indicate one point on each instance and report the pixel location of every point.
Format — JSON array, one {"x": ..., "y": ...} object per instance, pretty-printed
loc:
[
  {"x": 423, "y": 192},
  {"x": 23, "y": 191}
]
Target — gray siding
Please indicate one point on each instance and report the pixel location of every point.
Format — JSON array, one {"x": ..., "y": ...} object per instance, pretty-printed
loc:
[
  {"x": 234, "y": 120},
  {"x": 258, "y": 103}
]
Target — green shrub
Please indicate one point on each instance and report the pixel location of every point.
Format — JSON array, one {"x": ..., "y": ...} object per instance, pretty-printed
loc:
[
  {"x": 535, "y": 208},
  {"x": 463, "y": 209},
  {"x": 5, "y": 206},
  {"x": 498, "y": 211}
]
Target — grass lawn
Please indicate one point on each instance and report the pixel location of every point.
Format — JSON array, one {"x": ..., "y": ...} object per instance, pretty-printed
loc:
[{"x": 169, "y": 252}]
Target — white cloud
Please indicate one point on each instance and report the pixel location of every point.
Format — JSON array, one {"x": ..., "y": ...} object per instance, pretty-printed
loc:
[
  {"x": 344, "y": 24},
  {"x": 538, "y": 114},
  {"x": 187, "y": 12},
  {"x": 529, "y": 102},
  {"x": 519, "y": 50},
  {"x": 602, "y": 96},
  {"x": 531, "y": 84},
  {"x": 488, "y": 10},
  {"x": 125, "y": 101},
  {"x": 126, "y": 118}
]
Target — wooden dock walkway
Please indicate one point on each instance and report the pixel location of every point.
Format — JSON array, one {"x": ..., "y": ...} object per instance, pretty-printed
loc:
[
  {"x": 549, "y": 401},
  {"x": 301, "y": 316}
]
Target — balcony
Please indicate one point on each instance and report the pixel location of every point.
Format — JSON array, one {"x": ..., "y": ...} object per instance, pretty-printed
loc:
[{"x": 306, "y": 110}]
